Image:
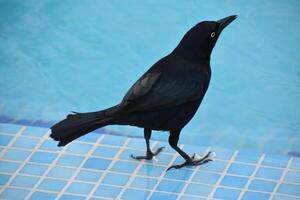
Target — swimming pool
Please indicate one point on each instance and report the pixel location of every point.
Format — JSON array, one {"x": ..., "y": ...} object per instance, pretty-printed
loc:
[{"x": 57, "y": 57}]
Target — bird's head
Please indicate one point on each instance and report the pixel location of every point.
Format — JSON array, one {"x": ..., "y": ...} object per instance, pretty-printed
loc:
[{"x": 199, "y": 41}]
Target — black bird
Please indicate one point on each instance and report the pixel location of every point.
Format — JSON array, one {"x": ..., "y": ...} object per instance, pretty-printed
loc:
[{"x": 165, "y": 98}]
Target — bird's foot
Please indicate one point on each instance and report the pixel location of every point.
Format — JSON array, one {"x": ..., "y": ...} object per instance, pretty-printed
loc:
[
  {"x": 149, "y": 155},
  {"x": 208, "y": 156}
]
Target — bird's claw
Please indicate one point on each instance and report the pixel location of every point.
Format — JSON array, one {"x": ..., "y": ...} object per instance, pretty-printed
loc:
[
  {"x": 158, "y": 151},
  {"x": 204, "y": 159},
  {"x": 149, "y": 155}
]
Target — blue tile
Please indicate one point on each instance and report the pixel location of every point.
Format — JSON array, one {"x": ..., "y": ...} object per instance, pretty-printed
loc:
[
  {"x": 144, "y": 183},
  {"x": 42, "y": 195},
  {"x": 223, "y": 154},
  {"x": 115, "y": 179},
  {"x": 71, "y": 197},
  {"x": 295, "y": 163},
  {"x": 9, "y": 128},
  {"x": 292, "y": 189},
  {"x": 234, "y": 181},
  {"x": 179, "y": 160},
  {"x": 136, "y": 143},
  {"x": 97, "y": 163},
  {"x": 69, "y": 160},
  {"x": 91, "y": 137},
  {"x": 35, "y": 131},
  {"x": 164, "y": 196},
  {"x": 248, "y": 156},
  {"x": 249, "y": 195},
  {"x": 43, "y": 157},
  {"x": 17, "y": 155},
  {"x": 206, "y": 177},
  {"x": 217, "y": 166},
  {"x": 5, "y": 139},
  {"x": 184, "y": 197},
  {"x": 52, "y": 185},
  {"x": 14, "y": 194},
  {"x": 182, "y": 174},
  {"x": 113, "y": 140},
  {"x": 262, "y": 185},
  {"x": 163, "y": 159},
  {"x": 91, "y": 176},
  {"x": 167, "y": 148},
  {"x": 34, "y": 169},
  {"x": 126, "y": 154},
  {"x": 135, "y": 194},
  {"x": 49, "y": 145},
  {"x": 293, "y": 176},
  {"x": 151, "y": 170},
  {"x": 8, "y": 166},
  {"x": 109, "y": 152},
  {"x": 79, "y": 148},
  {"x": 61, "y": 172},
  {"x": 241, "y": 169},
  {"x": 121, "y": 166},
  {"x": 195, "y": 149},
  {"x": 275, "y": 160},
  {"x": 283, "y": 197},
  {"x": 24, "y": 181},
  {"x": 226, "y": 193},
  {"x": 4, "y": 178},
  {"x": 24, "y": 142},
  {"x": 170, "y": 186},
  {"x": 269, "y": 173},
  {"x": 198, "y": 189},
  {"x": 107, "y": 191},
  {"x": 80, "y": 188}
]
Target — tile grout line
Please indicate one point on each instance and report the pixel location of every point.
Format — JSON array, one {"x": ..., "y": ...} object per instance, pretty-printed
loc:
[
  {"x": 42, "y": 139},
  {"x": 129, "y": 148},
  {"x": 21, "y": 165},
  {"x": 159, "y": 179},
  {"x": 278, "y": 182},
  {"x": 97, "y": 184},
  {"x": 133, "y": 175},
  {"x": 144, "y": 189},
  {"x": 148, "y": 190},
  {"x": 79, "y": 167},
  {"x": 15, "y": 137},
  {"x": 189, "y": 181},
  {"x": 251, "y": 177},
  {"x": 50, "y": 166},
  {"x": 131, "y": 161},
  {"x": 210, "y": 196}
]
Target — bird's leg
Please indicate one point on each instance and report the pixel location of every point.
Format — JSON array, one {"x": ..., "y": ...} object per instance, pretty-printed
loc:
[
  {"x": 173, "y": 141},
  {"x": 149, "y": 154}
]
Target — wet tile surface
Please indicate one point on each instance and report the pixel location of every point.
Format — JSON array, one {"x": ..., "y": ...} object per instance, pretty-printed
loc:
[{"x": 99, "y": 166}]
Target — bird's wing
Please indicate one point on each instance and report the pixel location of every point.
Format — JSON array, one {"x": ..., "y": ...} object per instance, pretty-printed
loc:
[
  {"x": 155, "y": 91},
  {"x": 141, "y": 87}
]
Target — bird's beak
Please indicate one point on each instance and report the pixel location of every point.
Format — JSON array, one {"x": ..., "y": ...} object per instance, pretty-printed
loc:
[{"x": 225, "y": 21}]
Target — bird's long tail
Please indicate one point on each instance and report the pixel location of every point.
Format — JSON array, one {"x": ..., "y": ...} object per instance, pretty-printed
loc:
[{"x": 78, "y": 124}]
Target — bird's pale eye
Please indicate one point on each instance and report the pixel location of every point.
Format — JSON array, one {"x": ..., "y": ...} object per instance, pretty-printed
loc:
[{"x": 212, "y": 34}]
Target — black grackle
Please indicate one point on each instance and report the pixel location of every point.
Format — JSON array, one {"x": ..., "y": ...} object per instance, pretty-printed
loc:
[{"x": 165, "y": 98}]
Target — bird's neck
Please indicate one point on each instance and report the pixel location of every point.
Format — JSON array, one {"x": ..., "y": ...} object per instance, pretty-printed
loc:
[{"x": 192, "y": 56}]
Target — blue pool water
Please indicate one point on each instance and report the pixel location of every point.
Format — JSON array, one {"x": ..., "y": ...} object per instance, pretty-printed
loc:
[{"x": 57, "y": 56}]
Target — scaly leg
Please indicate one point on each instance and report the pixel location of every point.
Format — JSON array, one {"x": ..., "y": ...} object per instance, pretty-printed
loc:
[
  {"x": 173, "y": 141},
  {"x": 149, "y": 154}
]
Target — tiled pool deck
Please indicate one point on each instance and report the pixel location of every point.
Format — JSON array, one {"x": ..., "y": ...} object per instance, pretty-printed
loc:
[{"x": 99, "y": 166}]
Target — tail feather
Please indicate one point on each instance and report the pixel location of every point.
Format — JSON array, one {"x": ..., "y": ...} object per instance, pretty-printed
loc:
[{"x": 78, "y": 124}]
